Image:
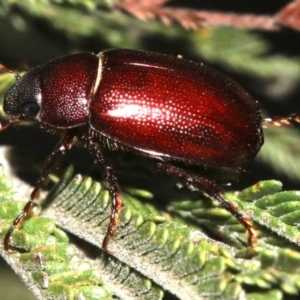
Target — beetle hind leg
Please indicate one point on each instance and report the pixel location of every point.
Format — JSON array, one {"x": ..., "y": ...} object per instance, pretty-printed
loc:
[{"x": 210, "y": 188}]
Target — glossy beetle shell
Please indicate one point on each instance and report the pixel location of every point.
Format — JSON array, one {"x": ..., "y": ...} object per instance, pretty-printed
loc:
[
  {"x": 158, "y": 105},
  {"x": 175, "y": 109}
]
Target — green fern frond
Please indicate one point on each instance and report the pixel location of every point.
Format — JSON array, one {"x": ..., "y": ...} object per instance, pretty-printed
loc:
[{"x": 150, "y": 253}]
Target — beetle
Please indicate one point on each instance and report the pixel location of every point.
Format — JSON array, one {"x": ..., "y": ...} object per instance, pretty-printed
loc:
[{"x": 181, "y": 113}]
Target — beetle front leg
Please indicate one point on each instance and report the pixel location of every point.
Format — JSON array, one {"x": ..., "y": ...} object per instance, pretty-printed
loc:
[
  {"x": 210, "y": 188},
  {"x": 114, "y": 189},
  {"x": 65, "y": 144},
  {"x": 11, "y": 122}
]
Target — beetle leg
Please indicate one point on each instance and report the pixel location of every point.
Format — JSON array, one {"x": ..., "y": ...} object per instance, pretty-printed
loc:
[
  {"x": 114, "y": 189},
  {"x": 65, "y": 144},
  {"x": 11, "y": 122},
  {"x": 210, "y": 188},
  {"x": 291, "y": 119}
]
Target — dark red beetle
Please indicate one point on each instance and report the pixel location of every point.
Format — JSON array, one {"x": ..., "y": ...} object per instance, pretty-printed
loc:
[{"x": 168, "y": 108}]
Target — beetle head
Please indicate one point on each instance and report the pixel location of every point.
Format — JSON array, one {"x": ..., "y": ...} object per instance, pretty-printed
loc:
[{"x": 23, "y": 99}]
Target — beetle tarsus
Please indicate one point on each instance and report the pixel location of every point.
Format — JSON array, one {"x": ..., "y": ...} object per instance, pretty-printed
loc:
[
  {"x": 292, "y": 119},
  {"x": 247, "y": 223},
  {"x": 113, "y": 222}
]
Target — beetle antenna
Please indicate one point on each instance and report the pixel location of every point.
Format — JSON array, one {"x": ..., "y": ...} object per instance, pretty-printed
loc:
[
  {"x": 7, "y": 70},
  {"x": 290, "y": 120}
]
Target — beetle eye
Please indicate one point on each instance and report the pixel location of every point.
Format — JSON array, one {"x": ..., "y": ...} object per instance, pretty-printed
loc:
[{"x": 30, "y": 110}]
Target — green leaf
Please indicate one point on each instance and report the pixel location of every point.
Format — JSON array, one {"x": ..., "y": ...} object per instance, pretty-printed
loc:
[{"x": 150, "y": 254}]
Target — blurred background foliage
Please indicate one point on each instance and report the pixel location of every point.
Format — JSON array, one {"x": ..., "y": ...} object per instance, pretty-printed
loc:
[{"x": 266, "y": 63}]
